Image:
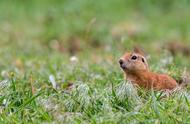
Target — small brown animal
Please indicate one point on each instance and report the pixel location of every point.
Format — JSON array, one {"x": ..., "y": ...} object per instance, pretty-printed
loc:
[{"x": 136, "y": 70}]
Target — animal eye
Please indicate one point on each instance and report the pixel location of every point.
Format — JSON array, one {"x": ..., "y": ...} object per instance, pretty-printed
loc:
[{"x": 134, "y": 57}]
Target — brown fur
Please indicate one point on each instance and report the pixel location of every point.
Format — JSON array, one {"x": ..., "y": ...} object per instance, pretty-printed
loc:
[{"x": 137, "y": 72}]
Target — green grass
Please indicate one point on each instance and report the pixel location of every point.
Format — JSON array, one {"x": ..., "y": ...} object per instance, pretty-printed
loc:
[{"x": 38, "y": 38}]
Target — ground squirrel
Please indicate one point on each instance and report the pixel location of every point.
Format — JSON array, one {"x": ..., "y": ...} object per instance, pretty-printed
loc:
[{"x": 136, "y": 70}]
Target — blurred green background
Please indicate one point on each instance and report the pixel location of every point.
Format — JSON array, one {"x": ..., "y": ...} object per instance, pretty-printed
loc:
[
  {"x": 82, "y": 40},
  {"x": 39, "y": 27}
]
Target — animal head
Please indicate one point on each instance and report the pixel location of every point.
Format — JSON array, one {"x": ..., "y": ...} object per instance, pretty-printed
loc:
[{"x": 135, "y": 61}]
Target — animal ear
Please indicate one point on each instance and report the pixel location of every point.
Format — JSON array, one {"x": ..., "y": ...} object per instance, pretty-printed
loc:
[
  {"x": 145, "y": 62},
  {"x": 138, "y": 50}
]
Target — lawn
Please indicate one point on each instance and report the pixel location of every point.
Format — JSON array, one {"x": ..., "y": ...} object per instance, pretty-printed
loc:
[{"x": 59, "y": 60}]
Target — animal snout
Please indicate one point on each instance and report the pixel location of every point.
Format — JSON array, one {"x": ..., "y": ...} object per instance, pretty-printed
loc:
[{"x": 121, "y": 61}]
